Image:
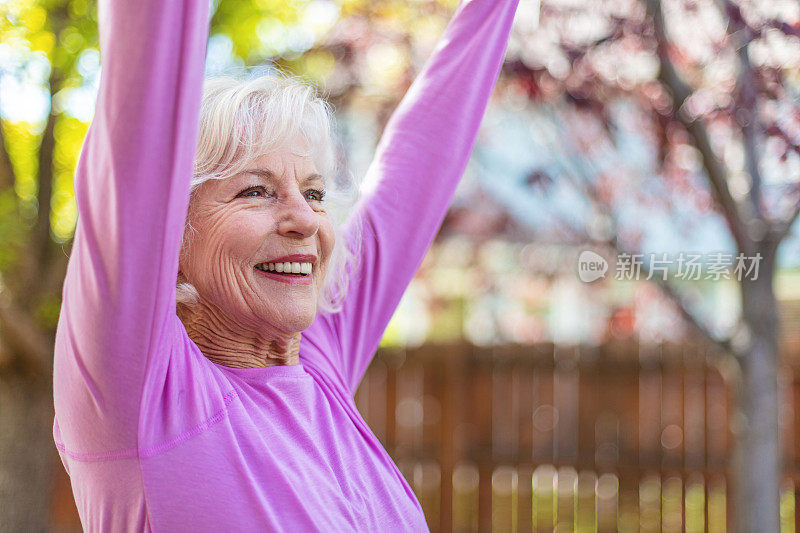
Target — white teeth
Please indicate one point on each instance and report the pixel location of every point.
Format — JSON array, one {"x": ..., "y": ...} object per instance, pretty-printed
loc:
[{"x": 287, "y": 267}]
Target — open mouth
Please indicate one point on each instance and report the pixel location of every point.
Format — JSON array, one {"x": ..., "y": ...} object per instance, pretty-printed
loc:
[{"x": 297, "y": 270}]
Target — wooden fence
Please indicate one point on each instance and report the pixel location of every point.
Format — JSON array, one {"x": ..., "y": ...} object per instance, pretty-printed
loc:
[{"x": 618, "y": 437}]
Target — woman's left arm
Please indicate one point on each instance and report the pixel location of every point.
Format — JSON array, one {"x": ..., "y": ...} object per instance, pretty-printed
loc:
[{"x": 420, "y": 159}]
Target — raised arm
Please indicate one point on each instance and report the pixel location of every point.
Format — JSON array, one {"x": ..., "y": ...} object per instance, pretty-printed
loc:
[
  {"x": 419, "y": 162},
  {"x": 131, "y": 187}
]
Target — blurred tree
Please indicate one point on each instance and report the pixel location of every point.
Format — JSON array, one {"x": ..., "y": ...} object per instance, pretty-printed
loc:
[
  {"x": 711, "y": 87},
  {"x": 42, "y": 42}
]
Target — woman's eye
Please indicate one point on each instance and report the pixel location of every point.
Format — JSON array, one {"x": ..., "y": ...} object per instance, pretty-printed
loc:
[
  {"x": 314, "y": 194},
  {"x": 253, "y": 192}
]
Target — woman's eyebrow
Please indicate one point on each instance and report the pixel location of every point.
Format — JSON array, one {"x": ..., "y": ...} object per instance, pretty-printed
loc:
[
  {"x": 270, "y": 175},
  {"x": 262, "y": 173}
]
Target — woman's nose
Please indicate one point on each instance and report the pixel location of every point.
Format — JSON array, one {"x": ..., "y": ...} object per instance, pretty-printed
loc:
[{"x": 298, "y": 219}]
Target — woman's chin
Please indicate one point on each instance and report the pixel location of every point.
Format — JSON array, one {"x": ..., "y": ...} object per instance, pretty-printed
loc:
[
  {"x": 304, "y": 324},
  {"x": 293, "y": 321}
]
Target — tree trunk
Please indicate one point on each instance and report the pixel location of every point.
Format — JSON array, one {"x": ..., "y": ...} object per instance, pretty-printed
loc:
[
  {"x": 26, "y": 452},
  {"x": 758, "y": 454}
]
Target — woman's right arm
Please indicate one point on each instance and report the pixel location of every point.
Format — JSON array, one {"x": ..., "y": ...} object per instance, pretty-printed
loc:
[{"x": 131, "y": 187}]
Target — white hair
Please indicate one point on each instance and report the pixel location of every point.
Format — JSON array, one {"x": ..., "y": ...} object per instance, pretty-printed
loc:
[{"x": 243, "y": 119}]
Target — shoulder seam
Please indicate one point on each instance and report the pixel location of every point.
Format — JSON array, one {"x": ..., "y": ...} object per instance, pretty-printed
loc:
[
  {"x": 189, "y": 433},
  {"x": 97, "y": 456},
  {"x": 158, "y": 448}
]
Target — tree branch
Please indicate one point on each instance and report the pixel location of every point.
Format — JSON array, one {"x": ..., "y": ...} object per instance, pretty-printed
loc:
[
  {"x": 783, "y": 27},
  {"x": 53, "y": 276},
  {"x": 581, "y": 179},
  {"x": 747, "y": 116},
  {"x": 716, "y": 172},
  {"x": 40, "y": 241},
  {"x": 695, "y": 324},
  {"x": 668, "y": 290},
  {"x": 39, "y": 245},
  {"x": 746, "y": 101},
  {"x": 21, "y": 336},
  {"x": 693, "y": 321},
  {"x": 785, "y": 226},
  {"x": 7, "y": 176}
]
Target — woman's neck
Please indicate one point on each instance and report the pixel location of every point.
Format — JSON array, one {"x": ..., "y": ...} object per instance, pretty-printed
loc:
[{"x": 227, "y": 343}]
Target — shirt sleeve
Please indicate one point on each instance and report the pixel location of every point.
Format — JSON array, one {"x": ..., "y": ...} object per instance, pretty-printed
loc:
[
  {"x": 131, "y": 187},
  {"x": 419, "y": 162}
]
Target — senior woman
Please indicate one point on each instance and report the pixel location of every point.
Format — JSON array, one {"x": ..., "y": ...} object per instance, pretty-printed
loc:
[{"x": 217, "y": 313}]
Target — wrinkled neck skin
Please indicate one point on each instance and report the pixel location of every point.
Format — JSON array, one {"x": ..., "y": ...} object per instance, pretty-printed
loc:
[{"x": 226, "y": 343}]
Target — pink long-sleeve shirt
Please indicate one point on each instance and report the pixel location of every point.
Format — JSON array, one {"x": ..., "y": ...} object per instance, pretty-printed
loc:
[{"x": 155, "y": 436}]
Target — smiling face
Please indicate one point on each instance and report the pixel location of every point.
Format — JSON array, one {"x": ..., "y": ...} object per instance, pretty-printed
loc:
[{"x": 272, "y": 214}]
